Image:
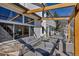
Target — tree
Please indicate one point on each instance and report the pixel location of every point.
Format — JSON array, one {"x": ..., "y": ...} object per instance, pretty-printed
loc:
[{"x": 57, "y": 22}]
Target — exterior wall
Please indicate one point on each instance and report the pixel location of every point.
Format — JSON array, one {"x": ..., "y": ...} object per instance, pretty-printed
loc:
[
  {"x": 45, "y": 24},
  {"x": 38, "y": 32}
]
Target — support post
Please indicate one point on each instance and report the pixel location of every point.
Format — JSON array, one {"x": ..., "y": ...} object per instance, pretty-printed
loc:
[
  {"x": 29, "y": 31},
  {"x": 13, "y": 31},
  {"x": 76, "y": 28},
  {"x": 23, "y": 18},
  {"x": 23, "y": 26},
  {"x": 68, "y": 32},
  {"x": 22, "y": 31}
]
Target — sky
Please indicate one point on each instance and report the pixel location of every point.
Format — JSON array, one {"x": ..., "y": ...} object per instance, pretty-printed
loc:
[{"x": 62, "y": 11}]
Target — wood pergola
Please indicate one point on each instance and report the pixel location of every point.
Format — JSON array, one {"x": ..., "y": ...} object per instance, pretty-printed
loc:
[{"x": 75, "y": 15}]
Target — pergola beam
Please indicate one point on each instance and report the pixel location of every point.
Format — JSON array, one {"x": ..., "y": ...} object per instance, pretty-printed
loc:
[
  {"x": 54, "y": 18},
  {"x": 18, "y": 10},
  {"x": 51, "y": 7},
  {"x": 57, "y": 18}
]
